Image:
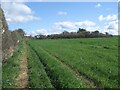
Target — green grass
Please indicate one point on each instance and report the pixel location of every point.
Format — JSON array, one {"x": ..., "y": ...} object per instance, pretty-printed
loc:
[
  {"x": 54, "y": 63},
  {"x": 95, "y": 58},
  {"x": 37, "y": 75},
  {"x": 60, "y": 76},
  {"x": 11, "y": 68}
]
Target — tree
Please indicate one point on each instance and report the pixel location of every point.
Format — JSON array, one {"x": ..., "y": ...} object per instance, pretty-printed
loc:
[
  {"x": 40, "y": 36},
  {"x": 106, "y": 33},
  {"x": 81, "y": 30},
  {"x": 21, "y": 31},
  {"x": 65, "y": 32},
  {"x": 96, "y": 32},
  {"x": 81, "y": 33}
]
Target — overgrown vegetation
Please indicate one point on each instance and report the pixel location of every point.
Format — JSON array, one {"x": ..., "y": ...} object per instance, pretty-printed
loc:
[
  {"x": 10, "y": 39},
  {"x": 11, "y": 68}
]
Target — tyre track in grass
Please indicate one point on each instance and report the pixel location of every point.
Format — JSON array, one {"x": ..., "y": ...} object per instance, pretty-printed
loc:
[
  {"x": 79, "y": 75},
  {"x": 22, "y": 79},
  {"x": 41, "y": 75},
  {"x": 49, "y": 71}
]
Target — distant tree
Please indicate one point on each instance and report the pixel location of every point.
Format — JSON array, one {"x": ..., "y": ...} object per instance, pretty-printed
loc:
[
  {"x": 96, "y": 32},
  {"x": 73, "y": 33},
  {"x": 106, "y": 33},
  {"x": 65, "y": 32},
  {"x": 81, "y": 30},
  {"x": 81, "y": 33},
  {"x": 40, "y": 36},
  {"x": 20, "y": 31},
  {"x": 87, "y": 34}
]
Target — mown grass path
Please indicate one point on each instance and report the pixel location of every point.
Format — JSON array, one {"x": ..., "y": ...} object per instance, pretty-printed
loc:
[{"x": 22, "y": 79}]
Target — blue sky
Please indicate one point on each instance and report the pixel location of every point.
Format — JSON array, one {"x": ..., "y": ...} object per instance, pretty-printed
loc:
[{"x": 50, "y": 17}]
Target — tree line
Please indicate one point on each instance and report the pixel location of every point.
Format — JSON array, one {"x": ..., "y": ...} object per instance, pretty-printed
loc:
[{"x": 81, "y": 33}]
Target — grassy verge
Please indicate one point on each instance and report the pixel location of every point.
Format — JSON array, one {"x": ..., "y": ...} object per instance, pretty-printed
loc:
[{"x": 11, "y": 68}]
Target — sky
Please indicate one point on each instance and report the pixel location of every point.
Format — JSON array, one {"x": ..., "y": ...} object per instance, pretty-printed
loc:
[{"x": 55, "y": 17}]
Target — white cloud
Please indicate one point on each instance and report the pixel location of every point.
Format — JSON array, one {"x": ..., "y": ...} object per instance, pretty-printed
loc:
[
  {"x": 101, "y": 18},
  {"x": 107, "y": 18},
  {"x": 111, "y": 27},
  {"x": 62, "y": 13},
  {"x": 74, "y": 25},
  {"x": 85, "y": 24},
  {"x": 18, "y": 12},
  {"x": 65, "y": 25},
  {"x": 98, "y": 5},
  {"x": 91, "y": 29},
  {"x": 111, "y": 24},
  {"x": 38, "y": 32},
  {"x": 59, "y": 27}
]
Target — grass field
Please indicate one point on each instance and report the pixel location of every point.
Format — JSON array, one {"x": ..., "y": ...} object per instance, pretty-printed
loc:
[
  {"x": 96, "y": 59},
  {"x": 70, "y": 63}
]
